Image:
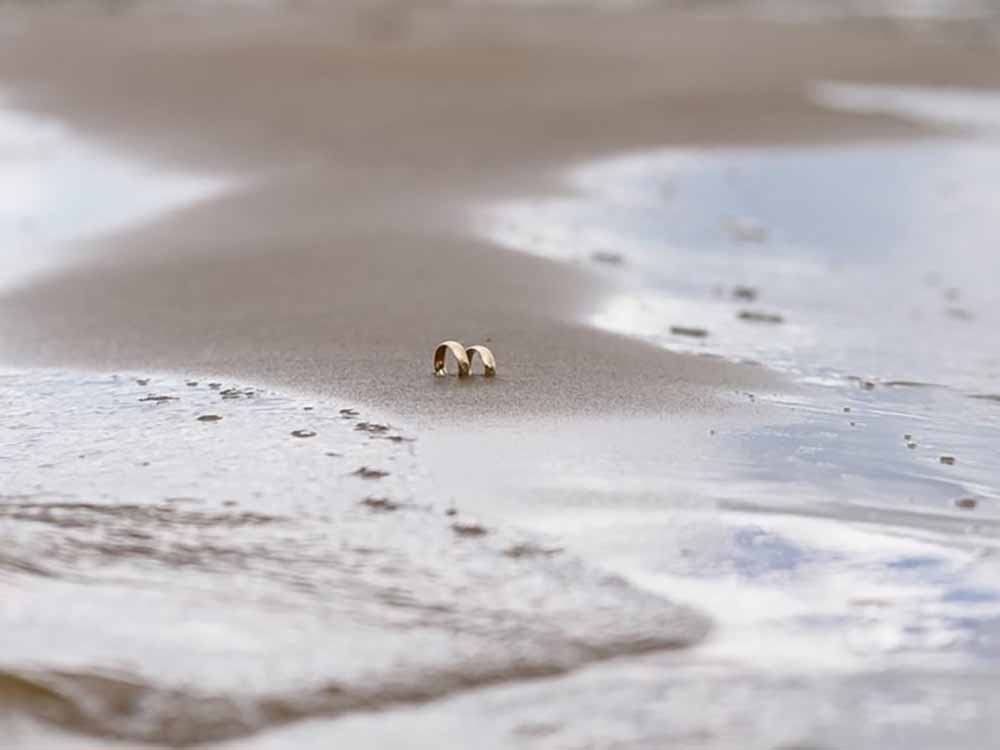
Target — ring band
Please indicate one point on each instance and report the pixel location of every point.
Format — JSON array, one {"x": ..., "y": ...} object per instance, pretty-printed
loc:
[
  {"x": 489, "y": 363},
  {"x": 458, "y": 352}
]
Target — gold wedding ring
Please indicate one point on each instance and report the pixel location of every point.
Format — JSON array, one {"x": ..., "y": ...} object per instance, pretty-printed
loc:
[
  {"x": 457, "y": 351},
  {"x": 464, "y": 358},
  {"x": 489, "y": 364}
]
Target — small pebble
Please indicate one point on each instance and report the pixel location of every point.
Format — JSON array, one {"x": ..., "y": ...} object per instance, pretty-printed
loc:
[
  {"x": 396, "y": 438},
  {"x": 948, "y": 460},
  {"x": 959, "y": 313},
  {"x": 911, "y": 445},
  {"x": 966, "y": 503},
  {"x": 231, "y": 393},
  {"x": 760, "y": 317},
  {"x": 158, "y": 399},
  {"x": 209, "y": 418},
  {"x": 303, "y": 433},
  {"x": 468, "y": 529},
  {"x": 365, "y": 473},
  {"x": 747, "y": 293},
  {"x": 698, "y": 333},
  {"x": 519, "y": 551},
  {"x": 606, "y": 256},
  {"x": 380, "y": 504}
]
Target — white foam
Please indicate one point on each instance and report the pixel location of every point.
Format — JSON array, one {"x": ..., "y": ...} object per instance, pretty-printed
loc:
[
  {"x": 969, "y": 108},
  {"x": 58, "y": 188}
]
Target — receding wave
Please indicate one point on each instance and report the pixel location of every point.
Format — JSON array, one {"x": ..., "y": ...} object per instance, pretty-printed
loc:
[
  {"x": 226, "y": 623},
  {"x": 127, "y": 707}
]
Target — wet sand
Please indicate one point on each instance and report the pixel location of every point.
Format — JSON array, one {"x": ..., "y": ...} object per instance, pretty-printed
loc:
[{"x": 343, "y": 258}]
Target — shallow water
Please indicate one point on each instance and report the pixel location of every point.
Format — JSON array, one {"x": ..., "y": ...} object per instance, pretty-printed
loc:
[
  {"x": 841, "y": 618},
  {"x": 849, "y": 536},
  {"x": 867, "y": 273},
  {"x": 174, "y": 579},
  {"x": 57, "y": 190}
]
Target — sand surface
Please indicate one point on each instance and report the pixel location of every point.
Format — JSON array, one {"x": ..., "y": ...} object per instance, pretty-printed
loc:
[{"x": 360, "y": 138}]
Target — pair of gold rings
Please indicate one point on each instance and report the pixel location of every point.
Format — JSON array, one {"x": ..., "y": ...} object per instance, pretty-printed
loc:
[{"x": 464, "y": 357}]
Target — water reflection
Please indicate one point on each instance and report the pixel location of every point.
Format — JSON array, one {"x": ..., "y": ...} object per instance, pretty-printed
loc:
[
  {"x": 855, "y": 526},
  {"x": 807, "y": 560},
  {"x": 878, "y": 260},
  {"x": 863, "y": 271},
  {"x": 57, "y": 188}
]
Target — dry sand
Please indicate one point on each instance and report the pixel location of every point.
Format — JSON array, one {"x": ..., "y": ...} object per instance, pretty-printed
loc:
[{"x": 361, "y": 138}]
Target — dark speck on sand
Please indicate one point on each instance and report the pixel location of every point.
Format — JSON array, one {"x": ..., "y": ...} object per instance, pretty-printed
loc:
[
  {"x": 158, "y": 399},
  {"x": 959, "y": 313},
  {"x": 608, "y": 257},
  {"x": 380, "y": 504},
  {"x": 697, "y": 333},
  {"x": 760, "y": 317},
  {"x": 525, "y": 550},
  {"x": 468, "y": 529}
]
